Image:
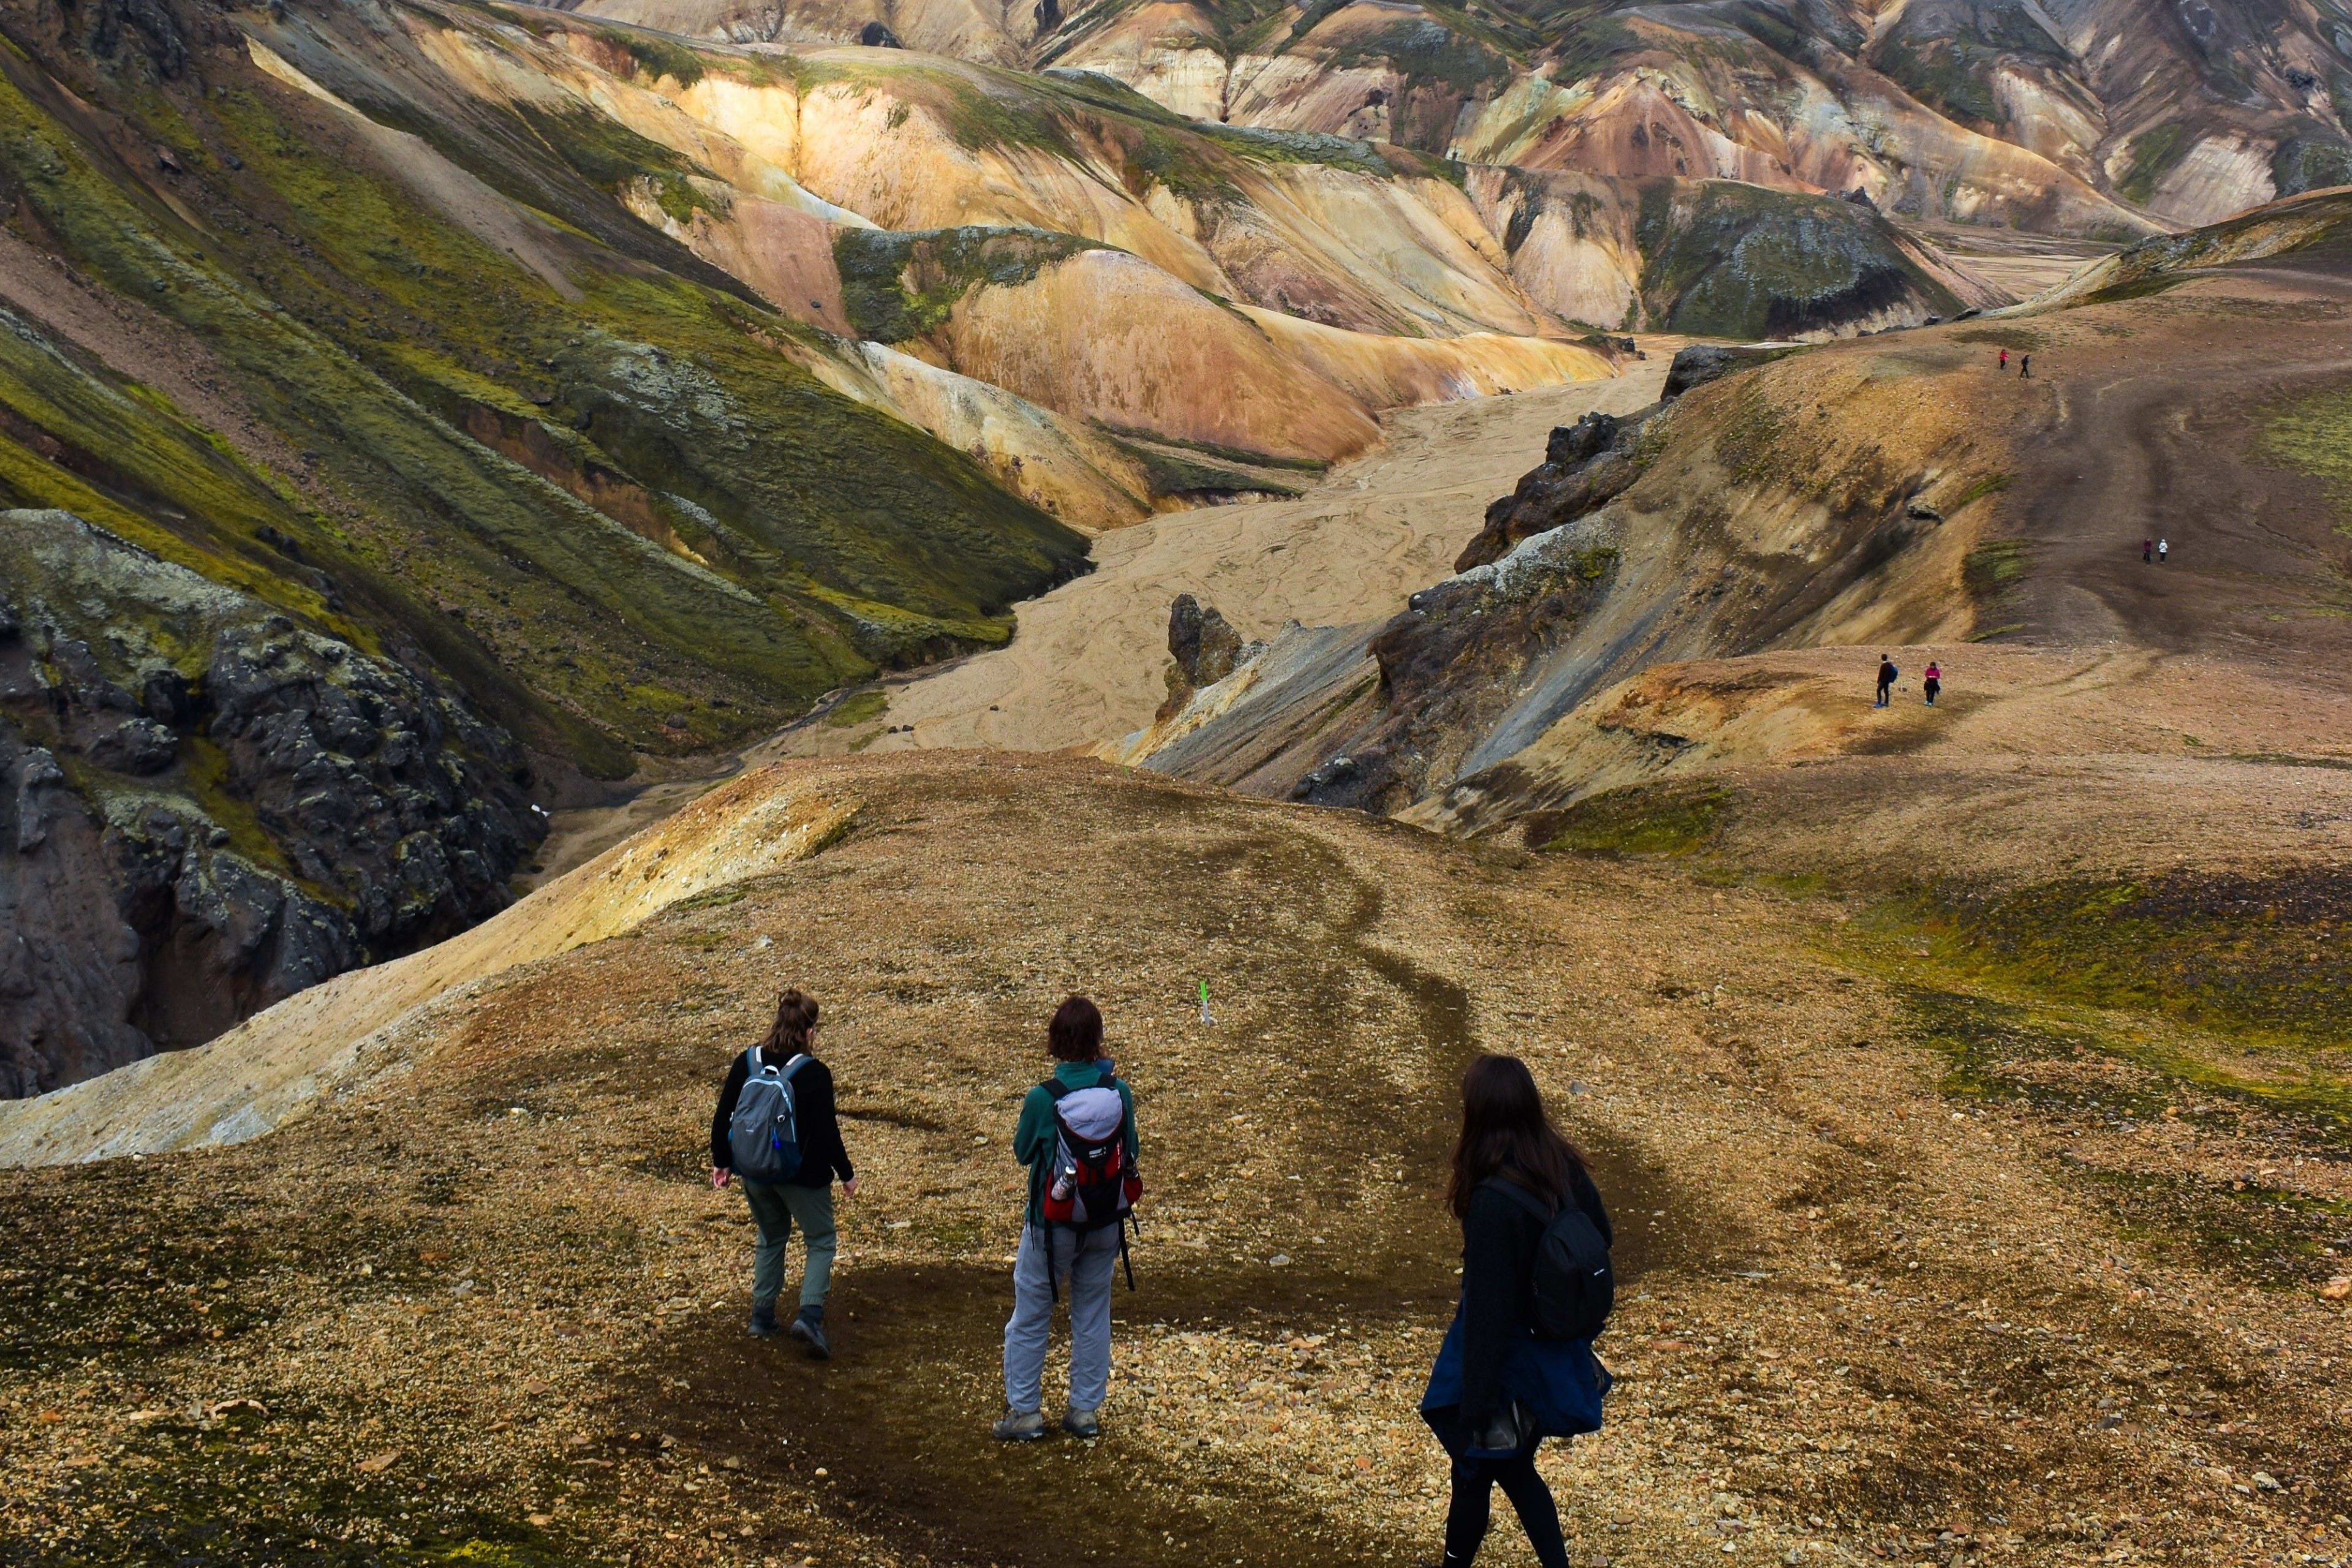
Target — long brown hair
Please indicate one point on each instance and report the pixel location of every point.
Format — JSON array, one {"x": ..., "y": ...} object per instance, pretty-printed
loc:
[
  {"x": 1505, "y": 1134},
  {"x": 789, "y": 1036}
]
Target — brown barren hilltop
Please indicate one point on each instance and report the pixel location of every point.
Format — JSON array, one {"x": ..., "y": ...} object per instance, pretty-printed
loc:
[{"x": 1919, "y": 1266}]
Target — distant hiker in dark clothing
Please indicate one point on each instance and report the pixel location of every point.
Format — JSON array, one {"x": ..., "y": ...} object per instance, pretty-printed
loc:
[
  {"x": 2147, "y": 550},
  {"x": 1934, "y": 682},
  {"x": 777, "y": 1128},
  {"x": 1502, "y": 1382},
  {"x": 1886, "y": 674},
  {"x": 2024, "y": 365},
  {"x": 1076, "y": 1135},
  {"x": 2163, "y": 548}
]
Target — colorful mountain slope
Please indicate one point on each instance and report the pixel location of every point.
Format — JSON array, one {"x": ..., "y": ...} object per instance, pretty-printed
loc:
[
  {"x": 2087, "y": 116},
  {"x": 1906, "y": 490}
]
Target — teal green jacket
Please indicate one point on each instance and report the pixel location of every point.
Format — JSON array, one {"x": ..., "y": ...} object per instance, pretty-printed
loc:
[{"x": 1033, "y": 1136}]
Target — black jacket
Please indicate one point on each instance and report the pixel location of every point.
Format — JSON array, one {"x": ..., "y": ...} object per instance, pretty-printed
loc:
[
  {"x": 1499, "y": 1237},
  {"x": 822, "y": 1155}
]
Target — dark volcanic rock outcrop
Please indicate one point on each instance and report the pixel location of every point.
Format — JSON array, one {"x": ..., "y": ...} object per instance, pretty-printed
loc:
[
  {"x": 211, "y": 807},
  {"x": 1454, "y": 660},
  {"x": 1203, "y": 642},
  {"x": 1586, "y": 464},
  {"x": 1701, "y": 363},
  {"x": 1203, "y": 648}
]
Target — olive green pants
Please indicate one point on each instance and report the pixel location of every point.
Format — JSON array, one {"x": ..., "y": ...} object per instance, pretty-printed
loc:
[{"x": 776, "y": 1206}]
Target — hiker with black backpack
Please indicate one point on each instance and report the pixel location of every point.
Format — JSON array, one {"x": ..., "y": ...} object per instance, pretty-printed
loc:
[
  {"x": 1517, "y": 1365},
  {"x": 776, "y": 1128},
  {"x": 1076, "y": 1135}
]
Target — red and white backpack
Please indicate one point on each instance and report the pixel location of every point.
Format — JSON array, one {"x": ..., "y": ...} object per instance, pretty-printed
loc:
[{"x": 1091, "y": 1183}]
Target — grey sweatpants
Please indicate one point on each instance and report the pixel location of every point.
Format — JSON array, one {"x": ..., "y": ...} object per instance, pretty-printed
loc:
[
  {"x": 1086, "y": 1263},
  {"x": 775, "y": 1205}
]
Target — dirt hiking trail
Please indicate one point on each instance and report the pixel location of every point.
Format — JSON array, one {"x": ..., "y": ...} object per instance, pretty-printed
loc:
[{"x": 1919, "y": 1269}]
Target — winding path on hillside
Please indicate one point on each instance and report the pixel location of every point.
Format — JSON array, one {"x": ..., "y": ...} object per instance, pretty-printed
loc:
[
  {"x": 2156, "y": 432},
  {"x": 1085, "y": 665}
]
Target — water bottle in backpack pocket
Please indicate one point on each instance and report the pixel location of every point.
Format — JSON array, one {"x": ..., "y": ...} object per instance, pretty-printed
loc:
[{"x": 763, "y": 1134}]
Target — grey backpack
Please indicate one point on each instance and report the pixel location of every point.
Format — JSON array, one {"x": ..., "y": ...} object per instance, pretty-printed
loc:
[{"x": 763, "y": 1134}]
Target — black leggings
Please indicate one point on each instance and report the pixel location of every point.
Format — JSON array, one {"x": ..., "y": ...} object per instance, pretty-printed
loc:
[{"x": 1465, "y": 1520}]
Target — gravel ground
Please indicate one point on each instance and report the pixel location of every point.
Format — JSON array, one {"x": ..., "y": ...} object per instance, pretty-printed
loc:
[{"x": 488, "y": 1310}]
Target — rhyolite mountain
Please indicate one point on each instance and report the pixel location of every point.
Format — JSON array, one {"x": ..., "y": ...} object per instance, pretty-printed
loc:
[
  {"x": 2078, "y": 116},
  {"x": 546, "y": 395}
]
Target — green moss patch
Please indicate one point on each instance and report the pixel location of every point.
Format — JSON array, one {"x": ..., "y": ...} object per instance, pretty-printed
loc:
[
  {"x": 858, "y": 708},
  {"x": 1991, "y": 571},
  {"x": 1174, "y": 468},
  {"x": 1976, "y": 489},
  {"x": 900, "y": 285},
  {"x": 658, "y": 56},
  {"x": 1671, "y": 818},
  {"x": 1426, "y": 54},
  {"x": 1946, "y": 75},
  {"x": 2082, "y": 1072},
  {"x": 2154, "y": 155},
  {"x": 2313, "y": 435},
  {"x": 2231, "y": 983}
]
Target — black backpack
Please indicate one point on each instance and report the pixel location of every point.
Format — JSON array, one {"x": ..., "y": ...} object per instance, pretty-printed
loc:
[{"x": 1572, "y": 1287}]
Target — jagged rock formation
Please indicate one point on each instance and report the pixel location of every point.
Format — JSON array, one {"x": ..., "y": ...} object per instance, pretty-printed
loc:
[
  {"x": 211, "y": 808},
  {"x": 1202, "y": 643},
  {"x": 1203, "y": 650},
  {"x": 1586, "y": 464}
]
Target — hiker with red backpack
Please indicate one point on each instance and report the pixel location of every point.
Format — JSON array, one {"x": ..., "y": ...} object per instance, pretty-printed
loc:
[
  {"x": 776, "y": 1128},
  {"x": 1076, "y": 1135},
  {"x": 1517, "y": 1365}
]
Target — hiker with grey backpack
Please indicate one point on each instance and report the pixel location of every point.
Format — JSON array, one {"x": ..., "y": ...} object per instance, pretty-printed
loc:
[
  {"x": 777, "y": 1131},
  {"x": 1076, "y": 1135},
  {"x": 1516, "y": 1365}
]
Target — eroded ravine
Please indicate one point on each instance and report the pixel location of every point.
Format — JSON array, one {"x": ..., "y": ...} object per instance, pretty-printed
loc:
[{"x": 1085, "y": 664}]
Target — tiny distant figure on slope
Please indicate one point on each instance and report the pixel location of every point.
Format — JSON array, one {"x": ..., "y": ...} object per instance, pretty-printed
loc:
[
  {"x": 1934, "y": 682},
  {"x": 2147, "y": 549},
  {"x": 2163, "y": 548},
  {"x": 2004, "y": 359},
  {"x": 2024, "y": 366},
  {"x": 1886, "y": 674},
  {"x": 1076, "y": 1135},
  {"x": 776, "y": 1128},
  {"x": 1536, "y": 1286}
]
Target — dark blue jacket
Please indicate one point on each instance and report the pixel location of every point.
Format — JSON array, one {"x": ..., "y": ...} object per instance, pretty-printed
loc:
[{"x": 1491, "y": 1356}]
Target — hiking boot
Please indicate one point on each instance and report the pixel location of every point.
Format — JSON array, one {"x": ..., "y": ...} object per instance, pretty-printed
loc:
[
  {"x": 1020, "y": 1426},
  {"x": 811, "y": 1332},
  {"x": 1080, "y": 1423},
  {"x": 764, "y": 1318}
]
